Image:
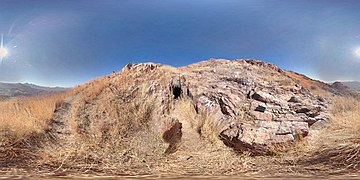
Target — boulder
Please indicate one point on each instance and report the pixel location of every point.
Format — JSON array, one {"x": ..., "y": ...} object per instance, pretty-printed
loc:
[
  {"x": 294, "y": 99},
  {"x": 262, "y": 97}
]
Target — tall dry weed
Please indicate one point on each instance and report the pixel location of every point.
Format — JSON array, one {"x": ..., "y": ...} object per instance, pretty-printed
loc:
[
  {"x": 338, "y": 145},
  {"x": 205, "y": 124}
]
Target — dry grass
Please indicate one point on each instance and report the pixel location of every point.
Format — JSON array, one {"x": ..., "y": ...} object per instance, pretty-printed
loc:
[
  {"x": 110, "y": 124},
  {"x": 22, "y": 127},
  {"x": 26, "y": 115},
  {"x": 113, "y": 138},
  {"x": 206, "y": 125},
  {"x": 315, "y": 87},
  {"x": 89, "y": 91},
  {"x": 337, "y": 147}
]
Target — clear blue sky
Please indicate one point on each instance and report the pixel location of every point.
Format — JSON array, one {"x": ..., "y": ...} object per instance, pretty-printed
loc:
[{"x": 67, "y": 42}]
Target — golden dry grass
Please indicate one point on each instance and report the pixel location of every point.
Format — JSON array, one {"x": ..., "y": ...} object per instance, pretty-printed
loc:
[
  {"x": 25, "y": 115},
  {"x": 22, "y": 127},
  {"x": 337, "y": 147},
  {"x": 206, "y": 125},
  {"x": 92, "y": 89},
  {"x": 115, "y": 136}
]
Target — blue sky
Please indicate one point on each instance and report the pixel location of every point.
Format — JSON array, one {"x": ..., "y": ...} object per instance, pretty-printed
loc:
[{"x": 67, "y": 42}]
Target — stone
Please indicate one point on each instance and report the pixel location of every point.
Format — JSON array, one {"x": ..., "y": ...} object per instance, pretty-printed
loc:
[
  {"x": 233, "y": 132},
  {"x": 262, "y": 97},
  {"x": 289, "y": 117},
  {"x": 294, "y": 99},
  {"x": 265, "y": 116},
  {"x": 284, "y": 128},
  {"x": 300, "y": 129},
  {"x": 260, "y": 109},
  {"x": 321, "y": 99},
  {"x": 281, "y": 138},
  {"x": 303, "y": 109},
  {"x": 314, "y": 112},
  {"x": 311, "y": 121},
  {"x": 265, "y": 130},
  {"x": 319, "y": 124}
]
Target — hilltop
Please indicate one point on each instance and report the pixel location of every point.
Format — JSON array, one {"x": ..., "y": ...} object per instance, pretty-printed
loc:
[
  {"x": 352, "y": 84},
  {"x": 212, "y": 117}
]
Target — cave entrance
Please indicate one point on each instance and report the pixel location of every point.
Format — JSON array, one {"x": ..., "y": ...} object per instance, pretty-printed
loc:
[{"x": 176, "y": 92}]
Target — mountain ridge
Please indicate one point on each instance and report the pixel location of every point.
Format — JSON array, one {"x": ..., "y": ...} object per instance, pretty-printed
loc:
[
  {"x": 9, "y": 90},
  {"x": 352, "y": 84}
]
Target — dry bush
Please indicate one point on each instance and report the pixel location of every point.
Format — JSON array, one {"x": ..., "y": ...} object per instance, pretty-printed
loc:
[
  {"x": 26, "y": 115},
  {"x": 205, "y": 124},
  {"x": 89, "y": 91},
  {"x": 108, "y": 134},
  {"x": 22, "y": 127},
  {"x": 345, "y": 105},
  {"x": 339, "y": 144}
]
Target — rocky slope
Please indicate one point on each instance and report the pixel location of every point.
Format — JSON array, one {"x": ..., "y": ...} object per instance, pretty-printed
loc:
[
  {"x": 249, "y": 105},
  {"x": 8, "y": 90}
]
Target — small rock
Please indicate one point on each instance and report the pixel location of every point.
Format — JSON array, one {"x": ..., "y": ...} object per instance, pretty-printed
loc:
[
  {"x": 262, "y": 97},
  {"x": 321, "y": 99},
  {"x": 284, "y": 128},
  {"x": 300, "y": 129},
  {"x": 314, "y": 112},
  {"x": 294, "y": 99},
  {"x": 260, "y": 108},
  {"x": 303, "y": 109}
]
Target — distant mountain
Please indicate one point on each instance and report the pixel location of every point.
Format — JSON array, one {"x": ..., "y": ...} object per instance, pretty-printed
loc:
[
  {"x": 352, "y": 84},
  {"x": 8, "y": 90}
]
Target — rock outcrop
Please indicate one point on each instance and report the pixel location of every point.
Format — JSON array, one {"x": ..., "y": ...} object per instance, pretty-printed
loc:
[{"x": 258, "y": 104}]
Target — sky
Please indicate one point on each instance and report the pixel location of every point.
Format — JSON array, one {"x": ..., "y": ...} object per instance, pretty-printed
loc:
[{"x": 69, "y": 42}]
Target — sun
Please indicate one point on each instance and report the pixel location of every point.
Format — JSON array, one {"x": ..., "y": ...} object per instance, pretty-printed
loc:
[
  {"x": 357, "y": 52},
  {"x": 3, "y": 52}
]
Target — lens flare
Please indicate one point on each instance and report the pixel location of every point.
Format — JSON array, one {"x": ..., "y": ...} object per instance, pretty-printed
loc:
[
  {"x": 357, "y": 52},
  {"x": 3, "y": 52}
]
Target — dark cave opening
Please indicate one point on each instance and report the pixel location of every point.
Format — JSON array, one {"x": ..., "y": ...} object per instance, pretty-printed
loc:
[{"x": 176, "y": 92}]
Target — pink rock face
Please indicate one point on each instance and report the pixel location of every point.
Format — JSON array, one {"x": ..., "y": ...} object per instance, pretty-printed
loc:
[
  {"x": 263, "y": 116},
  {"x": 258, "y": 103}
]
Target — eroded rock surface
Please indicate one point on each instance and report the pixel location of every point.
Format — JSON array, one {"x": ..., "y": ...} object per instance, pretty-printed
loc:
[{"x": 259, "y": 104}]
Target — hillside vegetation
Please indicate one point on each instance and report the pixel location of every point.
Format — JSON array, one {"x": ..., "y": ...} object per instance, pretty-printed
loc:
[{"x": 193, "y": 120}]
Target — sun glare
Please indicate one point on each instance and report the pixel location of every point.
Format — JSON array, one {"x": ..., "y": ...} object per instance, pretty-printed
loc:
[
  {"x": 3, "y": 52},
  {"x": 357, "y": 52}
]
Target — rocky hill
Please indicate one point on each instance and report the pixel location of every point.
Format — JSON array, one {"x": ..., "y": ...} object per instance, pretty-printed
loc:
[
  {"x": 323, "y": 89},
  {"x": 352, "y": 84},
  {"x": 249, "y": 105},
  {"x": 8, "y": 90},
  {"x": 216, "y": 117}
]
